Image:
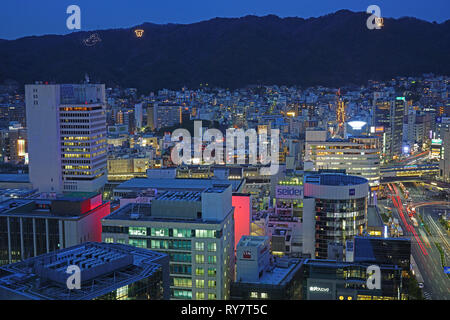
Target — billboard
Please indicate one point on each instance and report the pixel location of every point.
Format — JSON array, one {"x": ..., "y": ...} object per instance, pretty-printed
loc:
[
  {"x": 289, "y": 192},
  {"x": 318, "y": 289}
]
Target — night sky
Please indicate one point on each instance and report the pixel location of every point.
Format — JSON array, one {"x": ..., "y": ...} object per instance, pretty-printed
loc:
[{"x": 19, "y": 18}]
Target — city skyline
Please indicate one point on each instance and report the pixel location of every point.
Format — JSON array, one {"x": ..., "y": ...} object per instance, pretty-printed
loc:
[{"x": 258, "y": 159}]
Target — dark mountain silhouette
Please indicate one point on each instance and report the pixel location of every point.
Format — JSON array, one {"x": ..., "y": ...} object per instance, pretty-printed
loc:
[{"x": 336, "y": 49}]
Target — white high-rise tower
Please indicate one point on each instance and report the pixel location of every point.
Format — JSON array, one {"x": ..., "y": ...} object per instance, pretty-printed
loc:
[{"x": 67, "y": 137}]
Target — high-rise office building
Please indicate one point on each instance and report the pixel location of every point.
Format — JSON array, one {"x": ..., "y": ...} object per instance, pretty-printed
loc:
[
  {"x": 196, "y": 230},
  {"x": 166, "y": 115},
  {"x": 138, "y": 116},
  {"x": 334, "y": 211},
  {"x": 382, "y": 113},
  {"x": 388, "y": 125},
  {"x": 397, "y": 113},
  {"x": 67, "y": 136},
  {"x": 150, "y": 117},
  {"x": 444, "y": 161}
]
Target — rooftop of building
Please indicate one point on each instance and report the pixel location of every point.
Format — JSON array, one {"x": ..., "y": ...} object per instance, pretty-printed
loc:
[
  {"x": 189, "y": 201},
  {"x": 16, "y": 192},
  {"x": 181, "y": 196},
  {"x": 52, "y": 206},
  {"x": 77, "y": 196},
  {"x": 280, "y": 272},
  {"x": 292, "y": 178},
  {"x": 252, "y": 241},
  {"x": 15, "y": 177},
  {"x": 398, "y": 239},
  {"x": 104, "y": 268},
  {"x": 176, "y": 183},
  {"x": 371, "y": 249},
  {"x": 342, "y": 264},
  {"x": 333, "y": 179}
]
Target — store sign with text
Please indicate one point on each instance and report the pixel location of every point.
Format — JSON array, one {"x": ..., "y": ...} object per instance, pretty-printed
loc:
[{"x": 289, "y": 192}]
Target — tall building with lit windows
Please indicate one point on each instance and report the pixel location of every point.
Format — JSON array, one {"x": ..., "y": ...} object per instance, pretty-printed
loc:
[
  {"x": 334, "y": 211},
  {"x": 444, "y": 161},
  {"x": 388, "y": 124},
  {"x": 67, "y": 136},
  {"x": 166, "y": 115},
  {"x": 397, "y": 113},
  {"x": 359, "y": 156}
]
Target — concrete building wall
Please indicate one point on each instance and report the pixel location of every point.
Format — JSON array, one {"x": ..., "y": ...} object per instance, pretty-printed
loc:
[{"x": 42, "y": 103}]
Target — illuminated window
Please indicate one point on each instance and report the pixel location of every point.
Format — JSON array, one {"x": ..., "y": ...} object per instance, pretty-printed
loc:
[
  {"x": 182, "y": 233},
  {"x": 212, "y": 272},
  {"x": 212, "y": 296},
  {"x": 199, "y": 271},
  {"x": 159, "y": 244},
  {"x": 200, "y": 246},
  {"x": 200, "y": 295},
  {"x": 205, "y": 233},
  {"x": 182, "y": 282},
  {"x": 199, "y": 258},
  {"x": 160, "y": 232},
  {"x": 264, "y": 295},
  {"x": 200, "y": 283},
  {"x": 254, "y": 295},
  {"x": 211, "y": 284},
  {"x": 137, "y": 231},
  {"x": 183, "y": 294},
  {"x": 122, "y": 293},
  {"x": 212, "y": 259},
  {"x": 140, "y": 243}
]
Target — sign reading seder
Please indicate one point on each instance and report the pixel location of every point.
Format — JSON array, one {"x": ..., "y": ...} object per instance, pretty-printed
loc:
[{"x": 289, "y": 192}]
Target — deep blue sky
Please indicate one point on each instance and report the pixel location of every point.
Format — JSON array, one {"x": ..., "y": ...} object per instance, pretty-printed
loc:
[{"x": 19, "y": 18}]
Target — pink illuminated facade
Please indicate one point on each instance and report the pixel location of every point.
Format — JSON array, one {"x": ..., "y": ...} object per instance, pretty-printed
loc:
[{"x": 242, "y": 215}]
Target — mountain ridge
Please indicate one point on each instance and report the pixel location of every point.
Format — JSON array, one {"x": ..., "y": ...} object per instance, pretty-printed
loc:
[{"x": 334, "y": 50}]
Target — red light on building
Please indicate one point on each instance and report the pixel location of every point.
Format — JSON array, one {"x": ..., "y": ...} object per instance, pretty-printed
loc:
[{"x": 242, "y": 213}]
